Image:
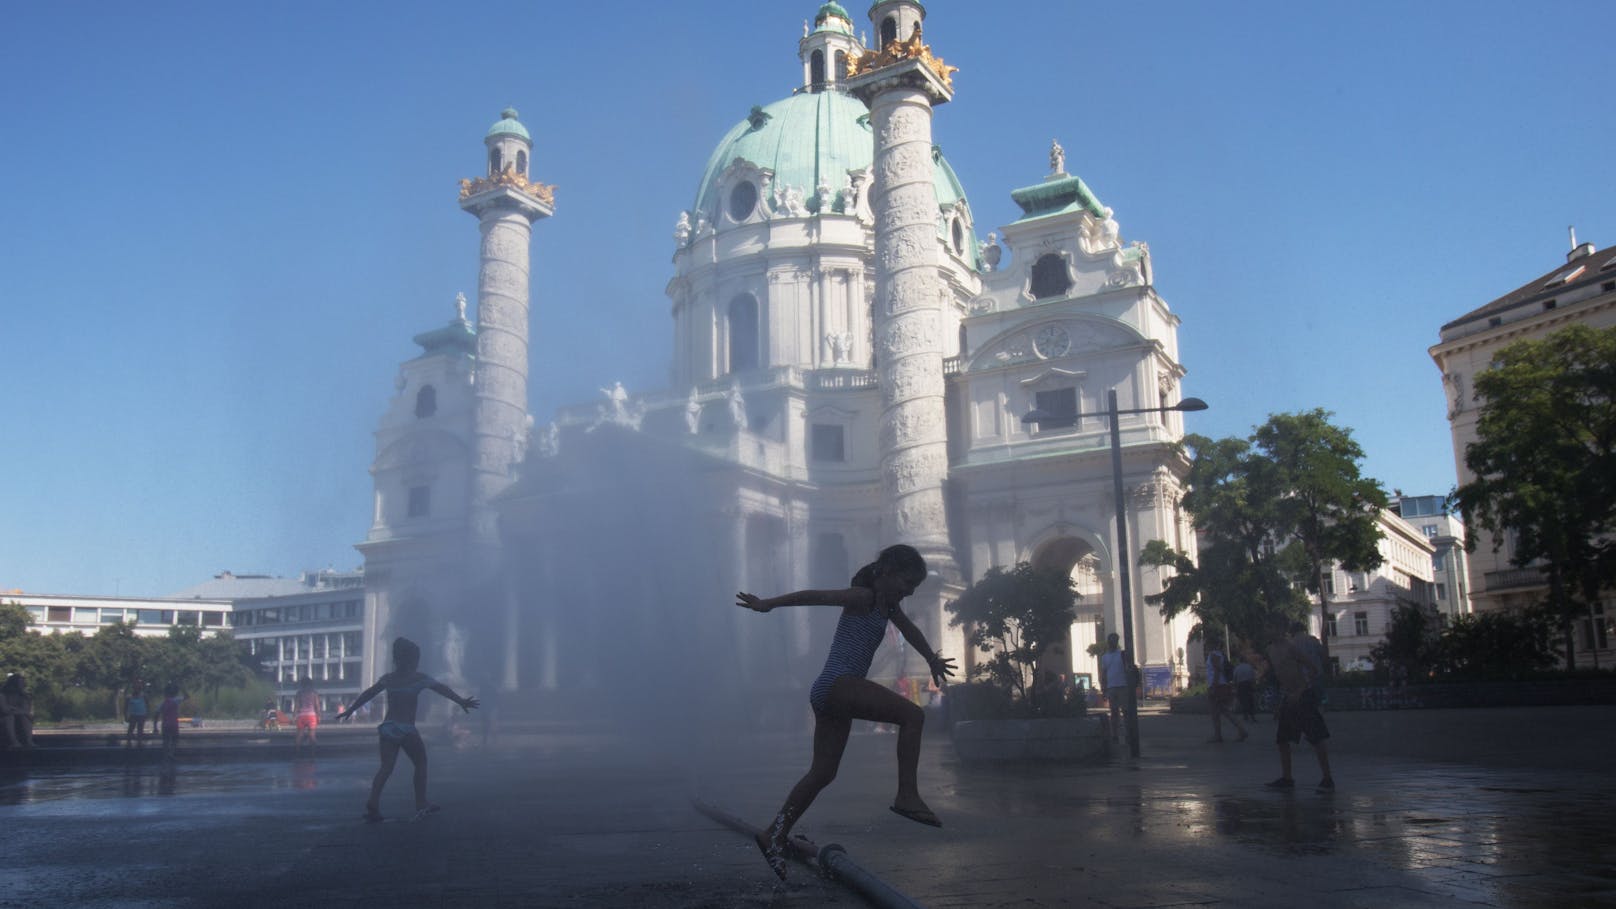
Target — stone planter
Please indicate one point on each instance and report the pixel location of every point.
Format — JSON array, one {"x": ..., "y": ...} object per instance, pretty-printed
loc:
[{"x": 1077, "y": 739}]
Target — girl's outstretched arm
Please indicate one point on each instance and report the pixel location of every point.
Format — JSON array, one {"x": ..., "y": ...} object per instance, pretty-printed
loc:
[
  {"x": 941, "y": 667},
  {"x": 858, "y": 599},
  {"x": 466, "y": 704},
  {"x": 364, "y": 696}
]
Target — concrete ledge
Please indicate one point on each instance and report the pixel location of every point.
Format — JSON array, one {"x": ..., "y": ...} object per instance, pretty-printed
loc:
[{"x": 1030, "y": 740}]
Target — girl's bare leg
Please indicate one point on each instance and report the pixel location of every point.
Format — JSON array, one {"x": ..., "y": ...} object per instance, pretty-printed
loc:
[
  {"x": 389, "y": 755},
  {"x": 863, "y": 699},
  {"x": 830, "y": 740},
  {"x": 416, "y": 749}
]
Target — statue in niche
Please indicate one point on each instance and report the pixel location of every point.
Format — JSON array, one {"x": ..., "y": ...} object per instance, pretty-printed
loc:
[
  {"x": 681, "y": 230},
  {"x": 1057, "y": 158},
  {"x": 460, "y": 306},
  {"x": 737, "y": 407},
  {"x": 693, "y": 412},
  {"x": 701, "y": 224},
  {"x": 617, "y": 402},
  {"x": 830, "y": 347},
  {"x": 844, "y": 353}
]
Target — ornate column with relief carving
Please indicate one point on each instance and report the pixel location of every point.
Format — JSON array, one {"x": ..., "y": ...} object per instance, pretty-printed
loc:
[{"x": 900, "y": 83}]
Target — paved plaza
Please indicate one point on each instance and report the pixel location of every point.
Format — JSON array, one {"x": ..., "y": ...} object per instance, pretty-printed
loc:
[{"x": 1506, "y": 807}]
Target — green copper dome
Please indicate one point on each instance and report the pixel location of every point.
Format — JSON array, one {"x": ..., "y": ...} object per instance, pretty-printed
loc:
[
  {"x": 827, "y": 16},
  {"x": 508, "y": 125},
  {"x": 804, "y": 138}
]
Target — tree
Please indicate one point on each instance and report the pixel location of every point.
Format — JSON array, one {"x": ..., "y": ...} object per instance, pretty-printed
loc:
[
  {"x": 1412, "y": 641},
  {"x": 1012, "y": 615},
  {"x": 1224, "y": 590},
  {"x": 1544, "y": 463},
  {"x": 1327, "y": 507},
  {"x": 114, "y": 659}
]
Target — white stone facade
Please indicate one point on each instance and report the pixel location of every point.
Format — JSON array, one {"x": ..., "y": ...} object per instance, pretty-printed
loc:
[{"x": 849, "y": 369}]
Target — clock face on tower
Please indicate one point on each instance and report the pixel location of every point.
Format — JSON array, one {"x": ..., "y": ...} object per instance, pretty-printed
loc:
[{"x": 1051, "y": 341}]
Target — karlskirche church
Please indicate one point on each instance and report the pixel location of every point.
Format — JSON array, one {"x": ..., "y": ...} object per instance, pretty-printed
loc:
[{"x": 852, "y": 363}]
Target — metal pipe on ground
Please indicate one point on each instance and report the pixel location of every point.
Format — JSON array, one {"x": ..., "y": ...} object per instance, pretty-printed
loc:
[{"x": 831, "y": 859}]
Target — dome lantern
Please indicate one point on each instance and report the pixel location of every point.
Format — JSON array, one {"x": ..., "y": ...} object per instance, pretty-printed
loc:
[
  {"x": 508, "y": 145},
  {"x": 826, "y": 48}
]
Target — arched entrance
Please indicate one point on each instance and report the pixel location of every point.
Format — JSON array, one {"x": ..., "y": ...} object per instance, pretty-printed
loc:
[{"x": 1067, "y": 552}]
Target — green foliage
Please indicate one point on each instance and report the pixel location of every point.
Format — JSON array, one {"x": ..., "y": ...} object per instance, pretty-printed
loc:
[
  {"x": 1544, "y": 462},
  {"x": 1498, "y": 645},
  {"x": 1011, "y": 616},
  {"x": 1274, "y": 510},
  {"x": 1413, "y": 641},
  {"x": 76, "y": 677}
]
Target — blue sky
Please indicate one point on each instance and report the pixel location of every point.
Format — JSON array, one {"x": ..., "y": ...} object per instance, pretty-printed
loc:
[{"x": 220, "y": 224}]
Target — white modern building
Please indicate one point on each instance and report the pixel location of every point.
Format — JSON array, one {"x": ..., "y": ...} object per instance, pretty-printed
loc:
[
  {"x": 149, "y": 616},
  {"x": 1450, "y": 564},
  {"x": 850, "y": 363},
  {"x": 1362, "y": 603}
]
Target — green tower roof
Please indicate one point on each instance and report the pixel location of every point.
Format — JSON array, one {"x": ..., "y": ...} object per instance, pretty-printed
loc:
[{"x": 508, "y": 125}]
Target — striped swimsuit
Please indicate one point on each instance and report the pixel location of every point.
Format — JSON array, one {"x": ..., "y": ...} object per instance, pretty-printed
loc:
[{"x": 851, "y": 651}]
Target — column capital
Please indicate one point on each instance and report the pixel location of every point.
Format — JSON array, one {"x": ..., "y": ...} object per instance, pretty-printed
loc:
[{"x": 897, "y": 67}]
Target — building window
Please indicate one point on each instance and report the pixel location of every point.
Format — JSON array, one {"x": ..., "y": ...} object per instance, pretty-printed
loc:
[
  {"x": 1061, "y": 406},
  {"x": 957, "y": 233},
  {"x": 1330, "y": 628},
  {"x": 1329, "y": 583},
  {"x": 420, "y": 501},
  {"x": 742, "y": 200},
  {"x": 1442, "y": 592},
  {"x": 840, "y": 70},
  {"x": 1429, "y": 530},
  {"x": 826, "y": 442},
  {"x": 213, "y": 619},
  {"x": 1049, "y": 277},
  {"x": 889, "y": 30},
  {"x": 743, "y": 333},
  {"x": 521, "y": 162},
  {"x": 426, "y": 402},
  {"x": 493, "y": 162},
  {"x": 60, "y": 614},
  {"x": 1360, "y": 624},
  {"x": 816, "y": 70}
]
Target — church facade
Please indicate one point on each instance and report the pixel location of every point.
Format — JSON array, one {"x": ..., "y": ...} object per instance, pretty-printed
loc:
[{"x": 851, "y": 365}]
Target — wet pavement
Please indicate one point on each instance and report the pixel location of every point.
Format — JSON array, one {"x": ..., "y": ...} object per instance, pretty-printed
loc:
[{"x": 1434, "y": 808}]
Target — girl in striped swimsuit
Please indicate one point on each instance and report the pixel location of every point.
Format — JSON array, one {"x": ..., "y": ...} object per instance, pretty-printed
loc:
[
  {"x": 397, "y": 731},
  {"x": 842, "y": 694}
]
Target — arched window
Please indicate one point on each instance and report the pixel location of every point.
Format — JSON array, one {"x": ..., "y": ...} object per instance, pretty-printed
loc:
[
  {"x": 816, "y": 70},
  {"x": 493, "y": 162},
  {"x": 1049, "y": 277},
  {"x": 743, "y": 333},
  {"x": 426, "y": 401},
  {"x": 521, "y": 162},
  {"x": 889, "y": 30},
  {"x": 839, "y": 71}
]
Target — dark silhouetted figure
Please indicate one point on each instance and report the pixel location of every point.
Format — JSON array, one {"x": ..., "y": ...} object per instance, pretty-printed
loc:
[
  {"x": 169, "y": 716},
  {"x": 17, "y": 712},
  {"x": 1220, "y": 695},
  {"x": 842, "y": 694},
  {"x": 1114, "y": 681},
  {"x": 1299, "y": 712},
  {"x": 397, "y": 731},
  {"x": 1245, "y": 688}
]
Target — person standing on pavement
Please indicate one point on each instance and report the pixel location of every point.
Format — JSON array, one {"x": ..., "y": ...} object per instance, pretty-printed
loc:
[
  {"x": 843, "y": 694},
  {"x": 1299, "y": 714},
  {"x": 1313, "y": 650},
  {"x": 169, "y": 716},
  {"x": 1245, "y": 688},
  {"x": 1220, "y": 695},
  {"x": 308, "y": 712},
  {"x": 1115, "y": 681},
  {"x": 135, "y": 712}
]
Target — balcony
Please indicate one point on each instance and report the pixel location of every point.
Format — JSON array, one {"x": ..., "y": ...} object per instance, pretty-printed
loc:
[{"x": 1514, "y": 579}]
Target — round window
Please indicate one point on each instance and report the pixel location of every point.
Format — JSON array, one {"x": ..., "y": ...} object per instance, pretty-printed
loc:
[
  {"x": 959, "y": 238},
  {"x": 742, "y": 199}
]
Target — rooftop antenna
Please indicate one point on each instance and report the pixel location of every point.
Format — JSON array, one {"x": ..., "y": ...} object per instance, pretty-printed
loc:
[{"x": 1572, "y": 229}]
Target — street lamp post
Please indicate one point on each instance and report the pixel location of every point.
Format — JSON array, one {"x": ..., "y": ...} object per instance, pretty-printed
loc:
[{"x": 1124, "y": 557}]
